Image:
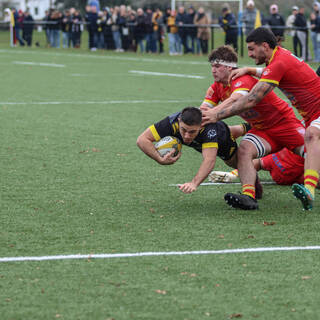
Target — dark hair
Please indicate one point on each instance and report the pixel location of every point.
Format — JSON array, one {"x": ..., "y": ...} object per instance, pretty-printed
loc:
[
  {"x": 261, "y": 35},
  {"x": 191, "y": 116},
  {"x": 225, "y": 53}
]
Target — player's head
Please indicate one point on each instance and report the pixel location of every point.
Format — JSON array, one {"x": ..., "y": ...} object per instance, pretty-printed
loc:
[
  {"x": 190, "y": 123},
  {"x": 260, "y": 43},
  {"x": 222, "y": 60}
]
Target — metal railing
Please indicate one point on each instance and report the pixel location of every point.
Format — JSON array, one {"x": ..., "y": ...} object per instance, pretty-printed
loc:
[{"x": 213, "y": 28}]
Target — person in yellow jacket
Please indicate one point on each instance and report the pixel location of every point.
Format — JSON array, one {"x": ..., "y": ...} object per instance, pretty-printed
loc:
[
  {"x": 173, "y": 35},
  {"x": 157, "y": 22}
]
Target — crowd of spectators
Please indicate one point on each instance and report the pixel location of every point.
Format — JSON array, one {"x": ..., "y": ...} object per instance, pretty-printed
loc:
[{"x": 121, "y": 28}]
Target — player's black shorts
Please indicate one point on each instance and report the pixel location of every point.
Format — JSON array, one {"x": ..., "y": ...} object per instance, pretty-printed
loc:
[{"x": 227, "y": 144}]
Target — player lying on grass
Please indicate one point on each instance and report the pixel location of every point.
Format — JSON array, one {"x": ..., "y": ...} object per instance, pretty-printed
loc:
[
  {"x": 212, "y": 140},
  {"x": 274, "y": 124},
  {"x": 299, "y": 83},
  {"x": 284, "y": 166}
]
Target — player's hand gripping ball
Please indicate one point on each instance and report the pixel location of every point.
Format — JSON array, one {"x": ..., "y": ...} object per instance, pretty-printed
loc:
[{"x": 167, "y": 144}]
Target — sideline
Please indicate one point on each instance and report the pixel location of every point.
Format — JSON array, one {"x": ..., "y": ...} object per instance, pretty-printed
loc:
[
  {"x": 178, "y": 75},
  {"x": 150, "y": 254},
  {"x": 220, "y": 183},
  {"x": 107, "y": 57},
  {"x": 97, "y": 102},
  {"x": 39, "y": 64}
]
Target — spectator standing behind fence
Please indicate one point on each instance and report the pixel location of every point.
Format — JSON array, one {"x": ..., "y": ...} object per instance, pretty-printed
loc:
[
  {"x": 315, "y": 30},
  {"x": 91, "y": 19},
  {"x": 124, "y": 30},
  {"x": 290, "y": 23},
  {"x": 251, "y": 17},
  {"x": 100, "y": 30},
  {"x": 108, "y": 38},
  {"x": 47, "y": 27},
  {"x": 140, "y": 30},
  {"x": 27, "y": 28},
  {"x": 116, "y": 29},
  {"x": 132, "y": 19},
  {"x": 191, "y": 31},
  {"x": 203, "y": 33},
  {"x": 76, "y": 29},
  {"x": 157, "y": 21},
  {"x": 151, "y": 44},
  {"x": 174, "y": 39},
  {"x": 229, "y": 25},
  {"x": 18, "y": 25},
  {"x": 66, "y": 29},
  {"x": 277, "y": 23},
  {"x": 301, "y": 24},
  {"x": 166, "y": 15},
  {"x": 181, "y": 20},
  {"x": 55, "y": 25}
]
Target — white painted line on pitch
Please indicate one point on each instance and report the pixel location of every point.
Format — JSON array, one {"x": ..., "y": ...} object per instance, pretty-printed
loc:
[
  {"x": 151, "y": 254},
  {"x": 39, "y": 64},
  {"x": 177, "y": 75},
  {"x": 220, "y": 183},
  {"x": 107, "y": 57},
  {"x": 98, "y": 102},
  {"x": 82, "y": 75}
]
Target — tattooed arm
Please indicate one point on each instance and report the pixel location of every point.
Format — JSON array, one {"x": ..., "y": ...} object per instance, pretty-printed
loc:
[{"x": 237, "y": 106}]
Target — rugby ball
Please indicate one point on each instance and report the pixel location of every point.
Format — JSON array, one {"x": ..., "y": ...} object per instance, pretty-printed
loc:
[{"x": 166, "y": 144}]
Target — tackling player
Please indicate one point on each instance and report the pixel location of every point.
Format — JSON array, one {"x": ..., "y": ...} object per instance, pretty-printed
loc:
[
  {"x": 274, "y": 124},
  {"x": 211, "y": 140},
  {"x": 285, "y": 168},
  {"x": 302, "y": 87}
]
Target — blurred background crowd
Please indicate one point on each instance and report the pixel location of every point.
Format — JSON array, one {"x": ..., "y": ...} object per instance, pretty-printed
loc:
[{"x": 188, "y": 29}]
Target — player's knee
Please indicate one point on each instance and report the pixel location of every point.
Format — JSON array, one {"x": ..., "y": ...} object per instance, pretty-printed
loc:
[{"x": 244, "y": 151}]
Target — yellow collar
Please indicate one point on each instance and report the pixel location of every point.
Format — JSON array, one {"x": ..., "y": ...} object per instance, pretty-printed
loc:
[{"x": 273, "y": 53}]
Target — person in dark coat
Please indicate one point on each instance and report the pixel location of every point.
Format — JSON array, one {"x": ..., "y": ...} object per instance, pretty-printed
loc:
[
  {"x": 151, "y": 44},
  {"x": 76, "y": 29},
  {"x": 140, "y": 29},
  {"x": 66, "y": 29},
  {"x": 108, "y": 38},
  {"x": 276, "y": 20},
  {"x": 27, "y": 29},
  {"x": 228, "y": 23},
  {"x": 302, "y": 29},
  {"x": 91, "y": 18},
  {"x": 191, "y": 31},
  {"x": 182, "y": 19}
]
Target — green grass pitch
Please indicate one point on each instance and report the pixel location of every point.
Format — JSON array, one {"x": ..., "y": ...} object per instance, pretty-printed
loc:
[{"x": 74, "y": 182}]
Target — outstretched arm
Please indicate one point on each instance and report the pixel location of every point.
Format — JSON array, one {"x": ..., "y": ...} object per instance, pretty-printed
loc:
[
  {"x": 209, "y": 159},
  {"x": 239, "y": 105},
  {"x": 145, "y": 143}
]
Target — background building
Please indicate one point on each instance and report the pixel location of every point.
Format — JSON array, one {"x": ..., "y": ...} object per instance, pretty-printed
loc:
[{"x": 37, "y": 8}]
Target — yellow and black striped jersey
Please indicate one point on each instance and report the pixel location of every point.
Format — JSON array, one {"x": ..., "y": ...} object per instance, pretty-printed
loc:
[{"x": 213, "y": 135}]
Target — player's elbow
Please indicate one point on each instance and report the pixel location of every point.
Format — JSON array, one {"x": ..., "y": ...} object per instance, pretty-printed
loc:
[{"x": 139, "y": 141}]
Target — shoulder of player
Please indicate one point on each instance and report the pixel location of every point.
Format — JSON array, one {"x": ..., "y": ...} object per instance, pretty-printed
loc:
[
  {"x": 281, "y": 56},
  {"x": 209, "y": 127},
  {"x": 242, "y": 81}
]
